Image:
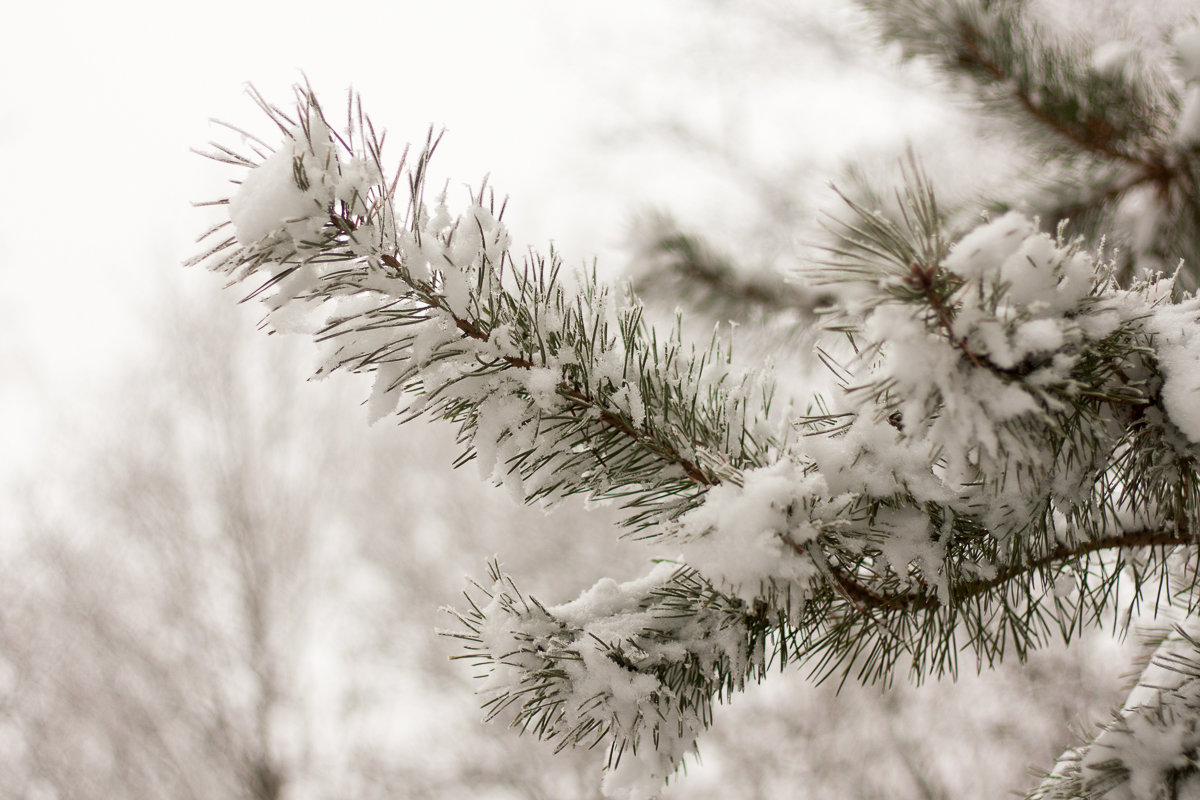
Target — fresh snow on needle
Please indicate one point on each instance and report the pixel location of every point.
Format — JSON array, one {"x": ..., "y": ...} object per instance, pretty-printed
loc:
[{"x": 268, "y": 198}]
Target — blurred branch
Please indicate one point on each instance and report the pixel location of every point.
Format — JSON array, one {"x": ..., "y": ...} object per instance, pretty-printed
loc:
[{"x": 671, "y": 265}]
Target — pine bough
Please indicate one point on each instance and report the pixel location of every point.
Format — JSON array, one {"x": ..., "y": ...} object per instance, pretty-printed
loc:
[{"x": 1015, "y": 438}]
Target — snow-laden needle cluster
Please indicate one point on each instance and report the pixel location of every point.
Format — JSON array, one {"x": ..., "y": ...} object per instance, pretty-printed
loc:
[{"x": 1012, "y": 425}]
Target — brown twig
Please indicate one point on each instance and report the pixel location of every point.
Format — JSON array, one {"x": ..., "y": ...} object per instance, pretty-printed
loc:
[
  {"x": 1097, "y": 133},
  {"x": 864, "y": 596},
  {"x": 921, "y": 278},
  {"x": 579, "y": 397}
]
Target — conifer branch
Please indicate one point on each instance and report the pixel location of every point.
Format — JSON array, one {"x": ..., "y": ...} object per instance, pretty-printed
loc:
[
  {"x": 1000, "y": 391},
  {"x": 1091, "y": 132},
  {"x": 593, "y": 401},
  {"x": 1052, "y": 83},
  {"x": 928, "y": 599},
  {"x": 673, "y": 265},
  {"x": 584, "y": 401}
]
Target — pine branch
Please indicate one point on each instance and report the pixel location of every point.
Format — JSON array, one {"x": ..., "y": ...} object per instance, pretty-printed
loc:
[
  {"x": 1015, "y": 66},
  {"x": 1101, "y": 429},
  {"x": 593, "y": 402},
  {"x": 1108, "y": 139},
  {"x": 927, "y": 598},
  {"x": 1148, "y": 749},
  {"x": 672, "y": 266},
  {"x": 585, "y": 403},
  {"x": 1011, "y": 418},
  {"x": 636, "y": 667},
  {"x": 1089, "y": 130}
]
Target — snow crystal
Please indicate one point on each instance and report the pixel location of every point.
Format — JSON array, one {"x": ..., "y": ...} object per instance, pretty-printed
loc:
[
  {"x": 384, "y": 397},
  {"x": 1030, "y": 272},
  {"x": 989, "y": 337},
  {"x": 300, "y": 316},
  {"x": 872, "y": 457},
  {"x": 999, "y": 400},
  {"x": 478, "y": 234},
  {"x": 456, "y": 292},
  {"x": 607, "y": 597},
  {"x": 542, "y": 385},
  {"x": 629, "y": 399},
  {"x": 908, "y": 540},
  {"x": 1038, "y": 336},
  {"x": 1041, "y": 277},
  {"x": 1137, "y": 220},
  {"x": 355, "y": 178}
]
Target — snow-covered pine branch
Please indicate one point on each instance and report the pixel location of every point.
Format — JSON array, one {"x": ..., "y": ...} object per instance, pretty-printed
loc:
[
  {"x": 1013, "y": 428},
  {"x": 1104, "y": 103},
  {"x": 1149, "y": 748},
  {"x": 1112, "y": 123},
  {"x": 556, "y": 391},
  {"x": 636, "y": 667}
]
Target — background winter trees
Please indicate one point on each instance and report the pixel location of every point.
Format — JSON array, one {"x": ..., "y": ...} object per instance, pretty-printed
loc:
[{"x": 228, "y": 592}]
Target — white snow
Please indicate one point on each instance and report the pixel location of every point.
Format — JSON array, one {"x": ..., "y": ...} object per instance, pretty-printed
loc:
[
  {"x": 872, "y": 457},
  {"x": 1038, "y": 336},
  {"x": 1176, "y": 328},
  {"x": 908, "y": 541},
  {"x": 745, "y": 537},
  {"x": 268, "y": 198},
  {"x": 1187, "y": 129},
  {"x": 1112, "y": 58},
  {"x": 1137, "y": 220},
  {"x": 989, "y": 245},
  {"x": 1187, "y": 52},
  {"x": 1155, "y": 732},
  {"x": 542, "y": 384},
  {"x": 1041, "y": 276},
  {"x": 594, "y": 686}
]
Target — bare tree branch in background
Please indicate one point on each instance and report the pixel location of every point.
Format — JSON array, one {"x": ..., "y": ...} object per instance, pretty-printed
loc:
[{"x": 233, "y": 593}]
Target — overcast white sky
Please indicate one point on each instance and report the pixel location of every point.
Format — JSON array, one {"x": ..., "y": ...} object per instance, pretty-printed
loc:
[{"x": 102, "y": 101}]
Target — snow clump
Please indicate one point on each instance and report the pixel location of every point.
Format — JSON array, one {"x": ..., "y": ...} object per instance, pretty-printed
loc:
[
  {"x": 1176, "y": 329},
  {"x": 290, "y": 194},
  {"x": 749, "y": 537}
]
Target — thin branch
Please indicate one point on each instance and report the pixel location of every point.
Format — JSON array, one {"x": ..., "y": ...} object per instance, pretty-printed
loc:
[
  {"x": 580, "y": 398},
  {"x": 1097, "y": 133},
  {"x": 922, "y": 279},
  {"x": 925, "y": 601}
]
